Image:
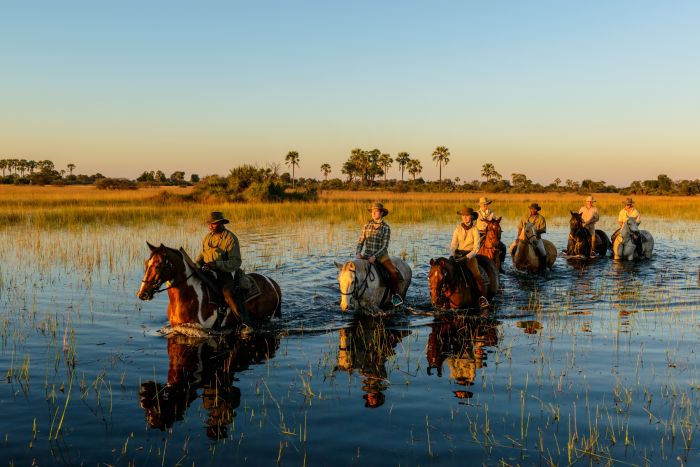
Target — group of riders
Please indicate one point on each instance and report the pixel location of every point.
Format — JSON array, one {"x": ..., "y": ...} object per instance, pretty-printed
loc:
[{"x": 221, "y": 250}]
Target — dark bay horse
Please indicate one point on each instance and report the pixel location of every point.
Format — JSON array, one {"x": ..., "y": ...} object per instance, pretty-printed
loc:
[
  {"x": 204, "y": 369},
  {"x": 451, "y": 289},
  {"x": 492, "y": 247},
  {"x": 579, "y": 243},
  {"x": 191, "y": 301}
]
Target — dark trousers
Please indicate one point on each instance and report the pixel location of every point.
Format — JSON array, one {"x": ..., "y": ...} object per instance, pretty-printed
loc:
[{"x": 229, "y": 284}]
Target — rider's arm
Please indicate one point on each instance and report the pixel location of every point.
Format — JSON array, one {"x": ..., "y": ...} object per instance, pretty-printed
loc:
[
  {"x": 231, "y": 259},
  {"x": 455, "y": 242},
  {"x": 361, "y": 241},
  {"x": 386, "y": 235}
]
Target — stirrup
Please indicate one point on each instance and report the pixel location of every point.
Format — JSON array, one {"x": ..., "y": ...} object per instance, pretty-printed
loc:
[
  {"x": 396, "y": 300},
  {"x": 483, "y": 302}
]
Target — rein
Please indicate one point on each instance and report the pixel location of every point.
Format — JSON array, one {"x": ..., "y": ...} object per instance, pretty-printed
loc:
[
  {"x": 364, "y": 285},
  {"x": 159, "y": 282}
]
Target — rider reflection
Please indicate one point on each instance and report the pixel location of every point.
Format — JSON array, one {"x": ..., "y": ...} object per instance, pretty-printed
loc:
[
  {"x": 209, "y": 365},
  {"x": 462, "y": 342},
  {"x": 365, "y": 346}
]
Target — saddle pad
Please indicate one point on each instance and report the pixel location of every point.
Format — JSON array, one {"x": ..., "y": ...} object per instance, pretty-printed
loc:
[{"x": 249, "y": 287}]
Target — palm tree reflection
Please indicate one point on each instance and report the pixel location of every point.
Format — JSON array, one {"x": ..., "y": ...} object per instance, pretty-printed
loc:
[{"x": 209, "y": 365}]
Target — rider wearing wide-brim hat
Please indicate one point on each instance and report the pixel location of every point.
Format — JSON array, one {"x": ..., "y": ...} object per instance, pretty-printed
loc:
[
  {"x": 374, "y": 239},
  {"x": 540, "y": 224},
  {"x": 464, "y": 247},
  {"x": 484, "y": 213},
  {"x": 221, "y": 253},
  {"x": 628, "y": 211},
  {"x": 589, "y": 216}
]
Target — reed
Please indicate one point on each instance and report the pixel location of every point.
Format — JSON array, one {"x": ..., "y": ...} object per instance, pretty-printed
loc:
[{"x": 74, "y": 207}]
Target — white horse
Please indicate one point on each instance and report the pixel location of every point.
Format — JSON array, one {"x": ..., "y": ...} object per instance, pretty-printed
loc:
[
  {"x": 361, "y": 287},
  {"x": 625, "y": 247}
]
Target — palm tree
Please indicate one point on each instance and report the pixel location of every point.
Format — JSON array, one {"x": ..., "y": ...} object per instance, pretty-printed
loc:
[
  {"x": 326, "y": 169},
  {"x": 292, "y": 160},
  {"x": 385, "y": 161},
  {"x": 414, "y": 167},
  {"x": 31, "y": 165},
  {"x": 488, "y": 171},
  {"x": 441, "y": 156},
  {"x": 402, "y": 159},
  {"x": 3, "y": 166},
  {"x": 71, "y": 166}
]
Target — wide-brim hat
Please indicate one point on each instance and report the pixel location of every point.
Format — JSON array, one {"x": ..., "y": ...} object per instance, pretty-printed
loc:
[
  {"x": 216, "y": 217},
  {"x": 485, "y": 200},
  {"x": 590, "y": 199},
  {"x": 467, "y": 211},
  {"x": 535, "y": 206},
  {"x": 628, "y": 202},
  {"x": 379, "y": 206}
]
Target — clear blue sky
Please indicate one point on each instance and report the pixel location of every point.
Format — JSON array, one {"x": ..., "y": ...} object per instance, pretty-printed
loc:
[{"x": 606, "y": 90}]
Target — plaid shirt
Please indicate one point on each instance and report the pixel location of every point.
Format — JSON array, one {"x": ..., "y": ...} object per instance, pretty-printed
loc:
[{"x": 375, "y": 238}]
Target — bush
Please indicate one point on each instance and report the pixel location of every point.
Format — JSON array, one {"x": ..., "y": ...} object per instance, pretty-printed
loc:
[{"x": 115, "y": 184}]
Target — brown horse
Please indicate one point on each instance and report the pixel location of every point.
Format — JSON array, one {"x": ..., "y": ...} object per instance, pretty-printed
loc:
[
  {"x": 208, "y": 365},
  {"x": 190, "y": 294},
  {"x": 579, "y": 243},
  {"x": 524, "y": 253},
  {"x": 491, "y": 246},
  {"x": 452, "y": 289}
]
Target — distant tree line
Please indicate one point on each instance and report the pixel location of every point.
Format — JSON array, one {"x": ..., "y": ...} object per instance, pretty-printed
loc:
[{"x": 363, "y": 170}]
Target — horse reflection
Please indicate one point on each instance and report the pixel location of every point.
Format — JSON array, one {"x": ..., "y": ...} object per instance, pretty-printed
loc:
[
  {"x": 366, "y": 346},
  {"x": 461, "y": 342},
  {"x": 208, "y": 366}
]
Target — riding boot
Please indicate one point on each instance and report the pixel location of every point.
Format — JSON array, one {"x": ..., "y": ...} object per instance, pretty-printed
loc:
[
  {"x": 593, "y": 252},
  {"x": 542, "y": 267}
]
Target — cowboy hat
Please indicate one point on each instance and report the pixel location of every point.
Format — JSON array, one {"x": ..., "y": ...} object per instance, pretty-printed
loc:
[
  {"x": 628, "y": 202},
  {"x": 381, "y": 207},
  {"x": 467, "y": 211},
  {"x": 590, "y": 199},
  {"x": 216, "y": 217},
  {"x": 535, "y": 206},
  {"x": 485, "y": 200}
]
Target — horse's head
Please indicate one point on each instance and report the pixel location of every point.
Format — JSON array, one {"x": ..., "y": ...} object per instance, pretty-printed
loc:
[
  {"x": 529, "y": 234},
  {"x": 347, "y": 278},
  {"x": 493, "y": 232},
  {"x": 440, "y": 275},
  {"x": 160, "y": 268},
  {"x": 576, "y": 221},
  {"x": 630, "y": 228}
]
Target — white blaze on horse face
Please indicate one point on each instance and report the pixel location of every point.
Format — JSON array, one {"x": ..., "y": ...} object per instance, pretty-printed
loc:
[
  {"x": 146, "y": 277},
  {"x": 346, "y": 278}
]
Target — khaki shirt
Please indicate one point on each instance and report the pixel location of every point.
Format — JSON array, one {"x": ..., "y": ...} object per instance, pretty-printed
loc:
[
  {"x": 465, "y": 239},
  {"x": 624, "y": 215},
  {"x": 537, "y": 220},
  {"x": 483, "y": 216},
  {"x": 589, "y": 215},
  {"x": 223, "y": 248}
]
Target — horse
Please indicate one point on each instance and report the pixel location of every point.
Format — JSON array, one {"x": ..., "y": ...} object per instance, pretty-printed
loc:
[
  {"x": 524, "y": 253},
  {"x": 451, "y": 289},
  {"x": 207, "y": 365},
  {"x": 191, "y": 299},
  {"x": 632, "y": 243},
  {"x": 492, "y": 247},
  {"x": 579, "y": 243},
  {"x": 362, "y": 288}
]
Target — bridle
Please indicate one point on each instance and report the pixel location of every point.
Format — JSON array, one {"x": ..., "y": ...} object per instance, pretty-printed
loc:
[
  {"x": 157, "y": 283},
  {"x": 364, "y": 284}
]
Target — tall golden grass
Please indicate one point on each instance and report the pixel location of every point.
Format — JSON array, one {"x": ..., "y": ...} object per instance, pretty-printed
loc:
[{"x": 74, "y": 207}]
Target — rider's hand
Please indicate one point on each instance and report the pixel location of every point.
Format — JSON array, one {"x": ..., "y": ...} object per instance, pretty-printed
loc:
[
  {"x": 358, "y": 256},
  {"x": 372, "y": 259},
  {"x": 211, "y": 265}
]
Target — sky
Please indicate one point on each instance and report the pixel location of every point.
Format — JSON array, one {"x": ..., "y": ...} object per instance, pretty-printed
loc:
[{"x": 602, "y": 90}]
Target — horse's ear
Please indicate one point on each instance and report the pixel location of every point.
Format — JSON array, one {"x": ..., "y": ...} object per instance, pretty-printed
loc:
[
  {"x": 151, "y": 247},
  {"x": 499, "y": 219},
  {"x": 432, "y": 261},
  {"x": 573, "y": 214},
  {"x": 338, "y": 265}
]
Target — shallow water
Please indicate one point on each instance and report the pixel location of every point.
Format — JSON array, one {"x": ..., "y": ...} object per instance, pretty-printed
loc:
[{"x": 595, "y": 362}]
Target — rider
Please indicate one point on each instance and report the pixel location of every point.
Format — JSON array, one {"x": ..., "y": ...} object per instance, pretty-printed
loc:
[
  {"x": 590, "y": 215},
  {"x": 485, "y": 214},
  {"x": 536, "y": 219},
  {"x": 625, "y": 213},
  {"x": 464, "y": 247},
  {"x": 375, "y": 237},
  {"x": 221, "y": 253}
]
